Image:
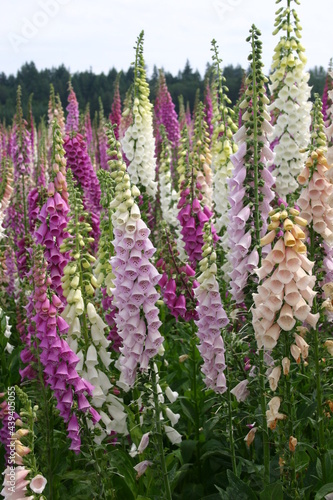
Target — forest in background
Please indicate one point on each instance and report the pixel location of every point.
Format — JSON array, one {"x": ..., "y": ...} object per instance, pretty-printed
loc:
[{"x": 89, "y": 87}]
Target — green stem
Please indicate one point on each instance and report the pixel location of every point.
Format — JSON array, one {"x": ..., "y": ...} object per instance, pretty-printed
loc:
[
  {"x": 262, "y": 376},
  {"x": 221, "y": 104},
  {"x": 288, "y": 22},
  {"x": 290, "y": 432},
  {"x": 195, "y": 398},
  {"x": 320, "y": 418},
  {"x": 231, "y": 429},
  {"x": 110, "y": 226},
  {"x": 159, "y": 437},
  {"x": 137, "y": 62},
  {"x": 190, "y": 163},
  {"x": 194, "y": 385},
  {"x": 255, "y": 157},
  {"x": 319, "y": 396},
  {"x": 48, "y": 409},
  {"x": 263, "y": 404},
  {"x": 102, "y": 480}
]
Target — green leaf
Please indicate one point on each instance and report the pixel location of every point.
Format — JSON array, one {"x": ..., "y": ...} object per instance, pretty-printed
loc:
[
  {"x": 306, "y": 410},
  {"x": 208, "y": 404},
  {"x": 328, "y": 488},
  {"x": 214, "y": 445},
  {"x": 214, "y": 496},
  {"x": 210, "y": 424},
  {"x": 122, "y": 488},
  {"x": 124, "y": 464},
  {"x": 3, "y": 324},
  {"x": 302, "y": 460},
  {"x": 194, "y": 491},
  {"x": 76, "y": 475},
  {"x": 214, "y": 450},
  {"x": 241, "y": 490},
  {"x": 319, "y": 469},
  {"x": 250, "y": 467},
  {"x": 223, "y": 494},
  {"x": 272, "y": 492},
  {"x": 180, "y": 475},
  {"x": 187, "y": 449},
  {"x": 309, "y": 449},
  {"x": 328, "y": 464},
  {"x": 188, "y": 409}
]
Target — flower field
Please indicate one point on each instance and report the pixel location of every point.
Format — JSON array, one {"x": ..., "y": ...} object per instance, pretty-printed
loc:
[{"x": 166, "y": 291}]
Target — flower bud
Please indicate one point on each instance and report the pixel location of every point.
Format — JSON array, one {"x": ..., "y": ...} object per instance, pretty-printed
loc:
[
  {"x": 292, "y": 443},
  {"x": 286, "y": 366},
  {"x": 300, "y": 221},
  {"x": 268, "y": 238}
]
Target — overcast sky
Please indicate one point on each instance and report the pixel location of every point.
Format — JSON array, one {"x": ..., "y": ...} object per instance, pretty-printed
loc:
[{"x": 100, "y": 34}]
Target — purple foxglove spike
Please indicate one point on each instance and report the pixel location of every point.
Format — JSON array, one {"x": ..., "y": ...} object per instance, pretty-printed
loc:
[{"x": 72, "y": 121}]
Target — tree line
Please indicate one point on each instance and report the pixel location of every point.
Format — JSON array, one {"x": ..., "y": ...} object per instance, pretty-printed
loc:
[{"x": 89, "y": 87}]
